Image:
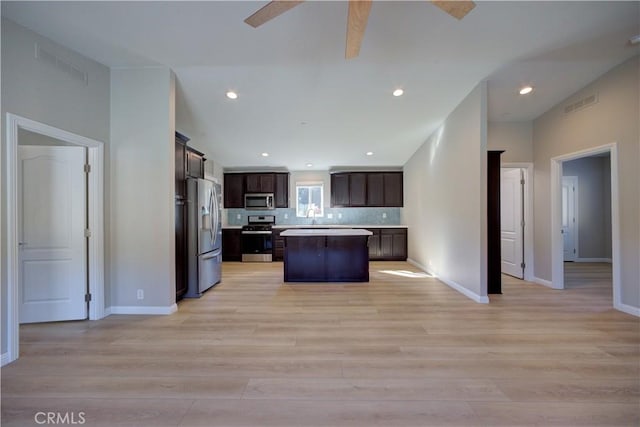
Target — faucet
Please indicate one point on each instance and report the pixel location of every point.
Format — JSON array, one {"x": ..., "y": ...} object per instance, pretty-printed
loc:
[{"x": 311, "y": 213}]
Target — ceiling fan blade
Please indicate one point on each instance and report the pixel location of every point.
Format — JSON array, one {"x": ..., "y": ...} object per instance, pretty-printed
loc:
[
  {"x": 457, "y": 9},
  {"x": 356, "y": 24},
  {"x": 270, "y": 11}
]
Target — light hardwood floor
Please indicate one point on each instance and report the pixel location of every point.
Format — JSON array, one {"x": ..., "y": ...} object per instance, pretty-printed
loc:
[{"x": 402, "y": 350}]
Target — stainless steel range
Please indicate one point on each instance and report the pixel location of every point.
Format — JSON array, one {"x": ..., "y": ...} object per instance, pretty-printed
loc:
[{"x": 257, "y": 241}]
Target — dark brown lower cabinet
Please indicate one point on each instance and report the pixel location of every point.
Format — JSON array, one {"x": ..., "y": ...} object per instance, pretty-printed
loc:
[
  {"x": 388, "y": 244},
  {"x": 494, "y": 255},
  {"x": 181, "y": 249},
  {"x": 231, "y": 244},
  {"x": 278, "y": 245}
]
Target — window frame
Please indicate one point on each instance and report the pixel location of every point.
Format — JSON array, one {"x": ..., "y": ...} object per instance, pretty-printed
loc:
[{"x": 310, "y": 184}]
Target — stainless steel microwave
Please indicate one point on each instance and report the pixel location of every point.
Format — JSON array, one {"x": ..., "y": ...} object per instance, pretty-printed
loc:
[{"x": 258, "y": 201}]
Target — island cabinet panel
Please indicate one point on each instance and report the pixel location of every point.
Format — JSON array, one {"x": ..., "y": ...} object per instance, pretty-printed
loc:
[
  {"x": 358, "y": 189},
  {"x": 231, "y": 244},
  {"x": 282, "y": 190},
  {"x": 260, "y": 183},
  {"x": 345, "y": 260},
  {"x": 233, "y": 190},
  {"x": 340, "y": 190},
  {"x": 393, "y": 190},
  {"x": 375, "y": 189},
  {"x": 331, "y": 256},
  {"x": 305, "y": 259}
]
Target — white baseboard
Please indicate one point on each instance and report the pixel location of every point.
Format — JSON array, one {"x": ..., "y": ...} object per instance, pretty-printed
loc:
[
  {"x": 120, "y": 309},
  {"x": 458, "y": 287},
  {"x": 107, "y": 311},
  {"x": 634, "y": 311},
  {"x": 5, "y": 359},
  {"x": 593, "y": 260},
  {"x": 540, "y": 281}
]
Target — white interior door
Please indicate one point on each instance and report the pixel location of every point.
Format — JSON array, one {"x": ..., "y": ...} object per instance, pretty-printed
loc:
[
  {"x": 511, "y": 222},
  {"x": 569, "y": 184},
  {"x": 52, "y": 217}
]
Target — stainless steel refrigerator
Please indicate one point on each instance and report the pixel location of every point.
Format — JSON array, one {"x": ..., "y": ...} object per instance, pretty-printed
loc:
[{"x": 204, "y": 235}]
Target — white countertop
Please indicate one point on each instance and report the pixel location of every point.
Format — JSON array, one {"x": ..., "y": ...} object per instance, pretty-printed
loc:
[
  {"x": 337, "y": 226},
  {"x": 320, "y": 226},
  {"x": 326, "y": 232}
]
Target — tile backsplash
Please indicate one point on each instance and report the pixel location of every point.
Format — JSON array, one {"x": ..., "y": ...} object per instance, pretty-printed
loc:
[{"x": 340, "y": 216}]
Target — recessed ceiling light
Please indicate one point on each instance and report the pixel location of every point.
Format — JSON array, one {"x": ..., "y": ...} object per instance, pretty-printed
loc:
[
  {"x": 369, "y": 153},
  {"x": 525, "y": 90},
  {"x": 398, "y": 92},
  {"x": 309, "y": 165},
  {"x": 232, "y": 95},
  {"x": 265, "y": 154}
]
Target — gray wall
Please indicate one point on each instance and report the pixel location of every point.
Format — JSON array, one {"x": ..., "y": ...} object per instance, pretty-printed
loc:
[
  {"x": 41, "y": 92},
  {"x": 142, "y": 248},
  {"x": 594, "y": 205},
  {"x": 445, "y": 202},
  {"x": 614, "y": 118},
  {"x": 515, "y": 138}
]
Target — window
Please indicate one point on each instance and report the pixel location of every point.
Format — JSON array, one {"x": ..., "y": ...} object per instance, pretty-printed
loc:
[{"x": 309, "y": 203}]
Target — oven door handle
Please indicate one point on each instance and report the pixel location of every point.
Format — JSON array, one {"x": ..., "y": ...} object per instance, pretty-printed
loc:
[{"x": 256, "y": 232}]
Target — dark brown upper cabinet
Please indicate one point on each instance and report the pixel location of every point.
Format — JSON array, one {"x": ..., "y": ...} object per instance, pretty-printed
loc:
[
  {"x": 375, "y": 189},
  {"x": 234, "y": 190},
  {"x": 366, "y": 189},
  {"x": 236, "y": 185},
  {"x": 282, "y": 190},
  {"x": 340, "y": 190},
  {"x": 358, "y": 189},
  {"x": 393, "y": 189},
  {"x": 195, "y": 163},
  {"x": 260, "y": 183},
  {"x": 181, "y": 168}
]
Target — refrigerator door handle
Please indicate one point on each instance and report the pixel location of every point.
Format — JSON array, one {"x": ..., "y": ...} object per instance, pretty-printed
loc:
[
  {"x": 211, "y": 230},
  {"x": 215, "y": 219},
  {"x": 209, "y": 255}
]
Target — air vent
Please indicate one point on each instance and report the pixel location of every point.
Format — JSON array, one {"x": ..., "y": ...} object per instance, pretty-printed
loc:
[
  {"x": 49, "y": 58},
  {"x": 585, "y": 102}
]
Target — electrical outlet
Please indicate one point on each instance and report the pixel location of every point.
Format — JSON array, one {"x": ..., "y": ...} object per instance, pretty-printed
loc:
[
  {"x": 286, "y": 216},
  {"x": 238, "y": 216},
  {"x": 384, "y": 214},
  {"x": 339, "y": 216},
  {"x": 140, "y": 294},
  {"x": 329, "y": 216}
]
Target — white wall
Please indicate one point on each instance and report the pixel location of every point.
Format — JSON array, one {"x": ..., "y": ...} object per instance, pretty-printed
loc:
[
  {"x": 445, "y": 204},
  {"x": 515, "y": 138},
  {"x": 142, "y": 187},
  {"x": 40, "y": 92},
  {"x": 594, "y": 205},
  {"x": 614, "y": 118}
]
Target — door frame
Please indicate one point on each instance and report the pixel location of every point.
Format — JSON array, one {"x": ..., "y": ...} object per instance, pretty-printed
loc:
[
  {"x": 95, "y": 188},
  {"x": 528, "y": 215},
  {"x": 557, "y": 252},
  {"x": 576, "y": 216}
]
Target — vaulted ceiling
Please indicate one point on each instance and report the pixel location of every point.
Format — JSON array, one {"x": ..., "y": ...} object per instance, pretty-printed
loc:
[{"x": 302, "y": 102}]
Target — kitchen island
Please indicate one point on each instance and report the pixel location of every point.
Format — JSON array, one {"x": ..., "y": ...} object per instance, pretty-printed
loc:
[{"x": 326, "y": 255}]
